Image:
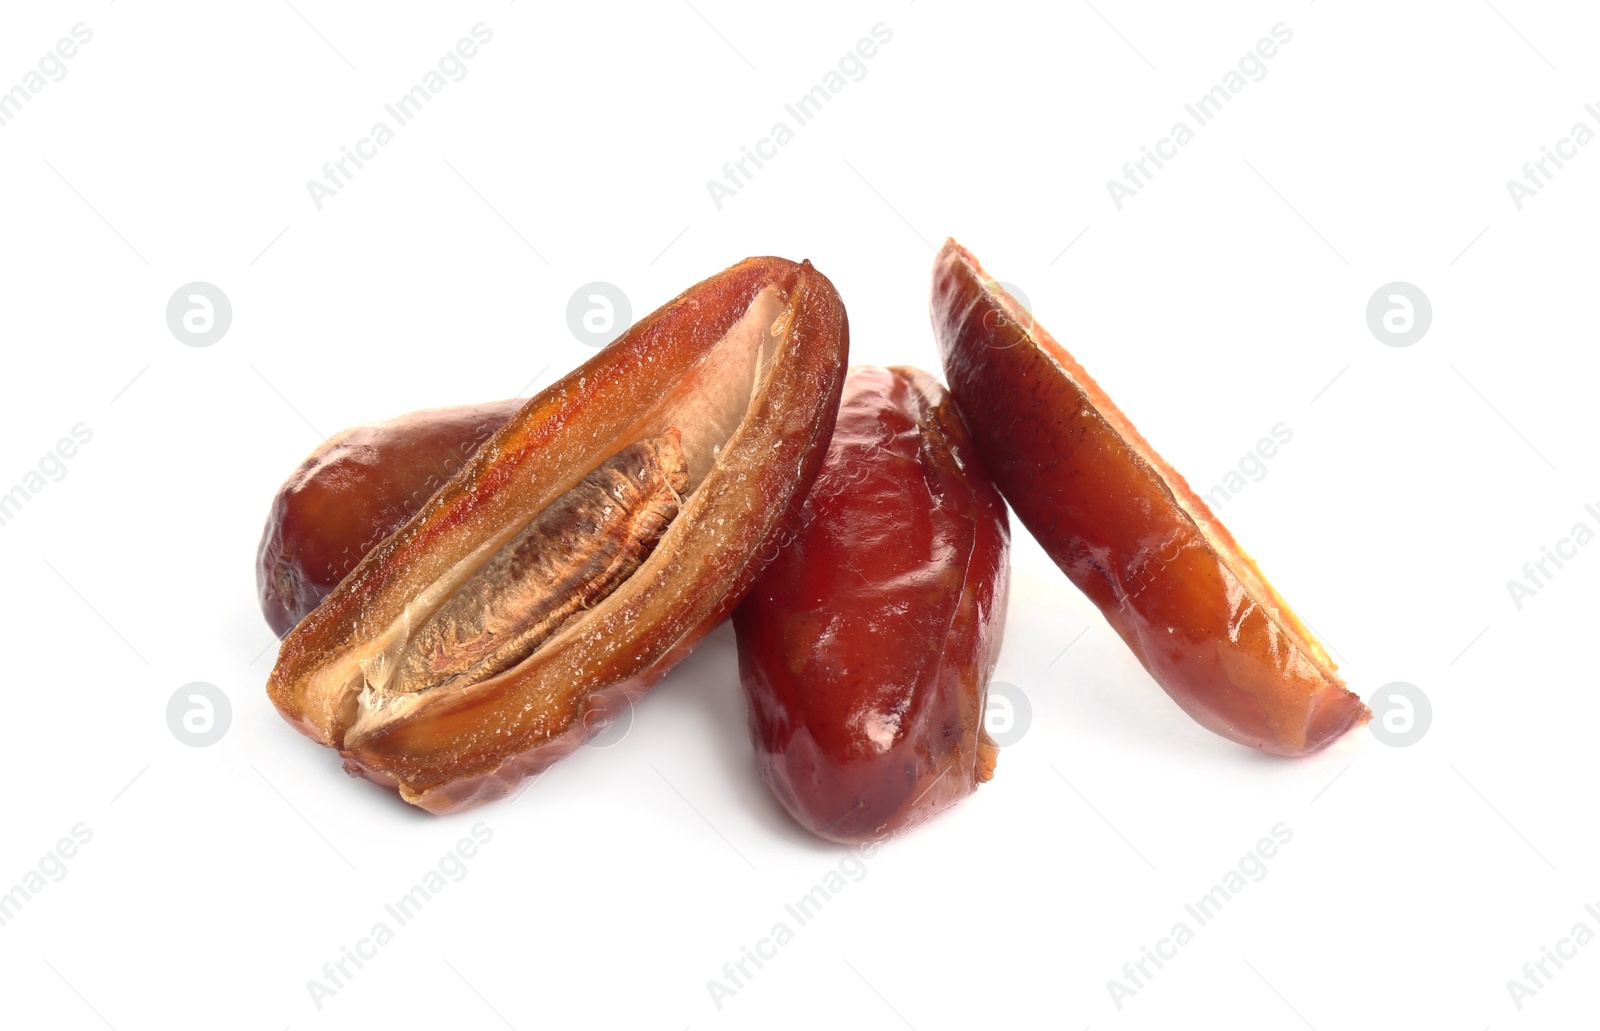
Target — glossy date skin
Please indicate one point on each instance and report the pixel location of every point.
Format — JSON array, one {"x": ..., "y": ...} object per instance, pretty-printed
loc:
[
  {"x": 866, "y": 647},
  {"x": 352, "y": 492},
  {"x": 743, "y": 371},
  {"x": 1128, "y": 531}
]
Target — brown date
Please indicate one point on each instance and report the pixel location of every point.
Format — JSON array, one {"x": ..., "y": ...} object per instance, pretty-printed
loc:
[
  {"x": 865, "y": 649},
  {"x": 351, "y": 492},
  {"x": 742, "y": 373},
  {"x": 1128, "y": 531}
]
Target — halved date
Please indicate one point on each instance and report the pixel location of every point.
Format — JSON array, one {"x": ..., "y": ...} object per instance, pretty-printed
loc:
[
  {"x": 351, "y": 492},
  {"x": 1127, "y": 529},
  {"x": 865, "y": 649},
  {"x": 741, "y": 373}
]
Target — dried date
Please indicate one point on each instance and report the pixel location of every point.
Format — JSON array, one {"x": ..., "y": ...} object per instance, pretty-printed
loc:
[
  {"x": 1128, "y": 531},
  {"x": 866, "y": 647},
  {"x": 745, "y": 368}
]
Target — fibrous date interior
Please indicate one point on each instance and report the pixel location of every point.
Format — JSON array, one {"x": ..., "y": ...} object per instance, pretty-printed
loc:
[{"x": 570, "y": 556}]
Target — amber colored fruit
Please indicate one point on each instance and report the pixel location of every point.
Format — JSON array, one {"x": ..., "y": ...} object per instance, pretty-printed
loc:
[
  {"x": 747, "y": 367},
  {"x": 865, "y": 649},
  {"x": 1128, "y": 530},
  {"x": 352, "y": 492}
]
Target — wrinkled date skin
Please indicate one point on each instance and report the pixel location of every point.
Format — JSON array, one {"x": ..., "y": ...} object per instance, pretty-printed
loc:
[
  {"x": 582, "y": 550},
  {"x": 352, "y": 492},
  {"x": 865, "y": 649},
  {"x": 1127, "y": 529}
]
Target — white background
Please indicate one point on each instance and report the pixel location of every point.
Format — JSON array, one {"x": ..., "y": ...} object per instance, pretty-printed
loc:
[{"x": 1226, "y": 297}]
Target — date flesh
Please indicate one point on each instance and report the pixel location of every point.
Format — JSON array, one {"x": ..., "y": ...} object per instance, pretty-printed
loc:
[
  {"x": 741, "y": 374},
  {"x": 351, "y": 492},
  {"x": 1128, "y": 531},
  {"x": 866, "y": 647}
]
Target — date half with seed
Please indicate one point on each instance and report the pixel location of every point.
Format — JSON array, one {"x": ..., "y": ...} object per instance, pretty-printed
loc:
[{"x": 582, "y": 550}]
